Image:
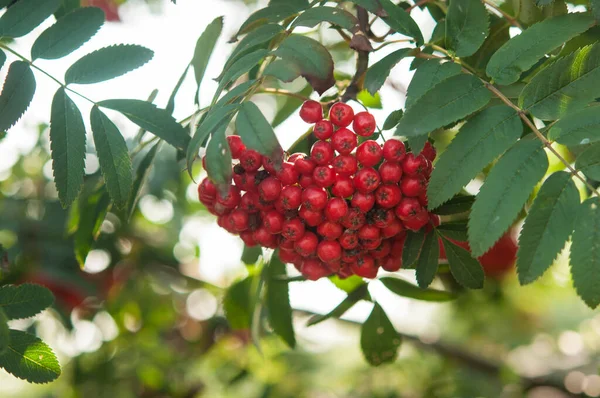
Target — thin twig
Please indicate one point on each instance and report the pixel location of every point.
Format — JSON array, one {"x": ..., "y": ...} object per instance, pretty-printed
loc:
[
  {"x": 362, "y": 61},
  {"x": 277, "y": 91},
  {"x": 506, "y": 16},
  {"x": 387, "y": 43}
]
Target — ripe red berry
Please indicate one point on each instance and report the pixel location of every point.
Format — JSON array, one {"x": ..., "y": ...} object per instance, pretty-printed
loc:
[
  {"x": 354, "y": 219},
  {"x": 365, "y": 267},
  {"x": 323, "y": 176},
  {"x": 304, "y": 165},
  {"x": 313, "y": 269},
  {"x": 417, "y": 222},
  {"x": 295, "y": 156},
  {"x": 366, "y": 180},
  {"x": 392, "y": 229},
  {"x": 363, "y": 201},
  {"x": 345, "y": 164},
  {"x": 369, "y": 153},
  {"x": 270, "y": 166},
  {"x": 413, "y": 185},
  {"x": 364, "y": 124},
  {"x": 392, "y": 264},
  {"x": 329, "y": 251},
  {"x": 286, "y": 244},
  {"x": 323, "y": 129},
  {"x": 412, "y": 165},
  {"x": 394, "y": 150},
  {"x": 343, "y": 187},
  {"x": 390, "y": 172},
  {"x": 314, "y": 198},
  {"x": 306, "y": 180},
  {"x": 311, "y": 111},
  {"x": 293, "y": 229},
  {"x": 239, "y": 220},
  {"x": 350, "y": 256},
  {"x": 429, "y": 151},
  {"x": 289, "y": 256},
  {"x": 263, "y": 237},
  {"x": 368, "y": 232},
  {"x": 341, "y": 114},
  {"x": 273, "y": 221},
  {"x": 382, "y": 250},
  {"x": 250, "y": 160},
  {"x": 249, "y": 202},
  {"x": 382, "y": 218},
  {"x": 322, "y": 153},
  {"x": 408, "y": 208},
  {"x": 330, "y": 230},
  {"x": 288, "y": 174},
  {"x": 231, "y": 199},
  {"x": 344, "y": 141},
  {"x": 307, "y": 244},
  {"x": 236, "y": 146},
  {"x": 269, "y": 189},
  {"x": 247, "y": 237},
  {"x": 336, "y": 209},
  {"x": 388, "y": 195},
  {"x": 291, "y": 197},
  {"x": 349, "y": 239},
  {"x": 312, "y": 218}
]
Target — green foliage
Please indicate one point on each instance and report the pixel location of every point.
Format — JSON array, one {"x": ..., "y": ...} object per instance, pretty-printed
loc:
[
  {"x": 141, "y": 174},
  {"x": 464, "y": 268},
  {"x": 406, "y": 289},
  {"x": 107, "y": 63},
  {"x": 456, "y": 205},
  {"x": 428, "y": 74},
  {"x": 29, "y": 358},
  {"x": 24, "y": 301},
  {"x": 427, "y": 264},
  {"x": 67, "y": 142},
  {"x": 467, "y": 26},
  {"x": 505, "y": 191},
  {"x": 256, "y": 132},
  {"x": 236, "y": 304},
  {"x": 379, "y": 72},
  {"x": 273, "y": 13},
  {"x": 400, "y": 21},
  {"x": 278, "y": 301},
  {"x": 252, "y": 41},
  {"x": 393, "y": 119},
  {"x": 523, "y": 51},
  {"x": 588, "y": 162},
  {"x": 68, "y": 33},
  {"x": 25, "y": 16},
  {"x": 4, "y": 332},
  {"x": 204, "y": 49},
  {"x": 577, "y": 128},
  {"x": 548, "y": 226},
  {"x": 412, "y": 248},
  {"x": 585, "y": 252},
  {"x": 379, "y": 340},
  {"x": 218, "y": 158},
  {"x": 91, "y": 209},
  {"x": 353, "y": 297},
  {"x": 17, "y": 93},
  {"x": 333, "y": 15}
]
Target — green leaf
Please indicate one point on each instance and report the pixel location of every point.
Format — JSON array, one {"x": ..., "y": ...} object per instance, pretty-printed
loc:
[
  {"x": 565, "y": 86},
  {"x": 311, "y": 58},
  {"x": 67, "y": 144},
  {"x": 4, "y": 333},
  {"x": 29, "y": 358},
  {"x": 595, "y": 5},
  {"x": 585, "y": 252},
  {"x": 92, "y": 206},
  {"x": 417, "y": 143},
  {"x": 428, "y": 74},
  {"x": 26, "y": 15},
  {"x": 400, "y": 21},
  {"x": 141, "y": 174},
  {"x": 588, "y": 162},
  {"x": 406, "y": 289},
  {"x": 353, "y": 297},
  {"x": 68, "y": 33},
  {"x": 171, "y": 103},
  {"x": 24, "y": 301},
  {"x": 466, "y": 270},
  {"x": 204, "y": 49},
  {"x": 240, "y": 67},
  {"x": 547, "y": 227},
  {"x": 349, "y": 284},
  {"x": 369, "y": 5},
  {"x": 17, "y": 93},
  {"x": 393, "y": 119},
  {"x": 504, "y": 192},
  {"x": 452, "y": 99},
  {"x": 66, "y": 7},
  {"x": 481, "y": 140},
  {"x": 368, "y": 100},
  {"x": 237, "y": 304},
  {"x": 427, "y": 264},
  {"x": 256, "y": 132},
  {"x": 155, "y": 120},
  {"x": 251, "y": 254},
  {"x": 278, "y": 301},
  {"x": 2, "y": 58},
  {"x": 290, "y": 106},
  {"x": 379, "y": 340},
  {"x": 379, "y": 71},
  {"x": 456, "y": 230},
  {"x": 499, "y": 34},
  {"x": 412, "y": 248},
  {"x": 218, "y": 158},
  {"x": 107, "y": 63},
  {"x": 113, "y": 156},
  {"x": 577, "y": 128},
  {"x": 523, "y": 51},
  {"x": 214, "y": 120},
  {"x": 273, "y": 13},
  {"x": 335, "y": 16},
  {"x": 456, "y": 205},
  {"x": 467, "y": 26}
]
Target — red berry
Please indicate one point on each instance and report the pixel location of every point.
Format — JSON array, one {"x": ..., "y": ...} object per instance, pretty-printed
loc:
[
  {"x": 383, "y": 218},
  {"x": 392, "y": 264},
  {"x": 307, "y": 244},
  {"x": 208, "y": 188},
  {"x": 382, "y": 250},
  {"x": 247, "y": 237},
  {"x": 250, "y": 160},
  {"x": 311, "y": 111},
  {"x": 323, "y": 176},
  {"x": 236, "y": 146},
  {"x": 345, "y": 164},
  {"x": 306, "y": 180},
  {"x": 390, "y": 172},
  {"x": 368, "y": 232},
  {"x": 413, "y": 185},
  {"x": 314, "y": 198},
  {"x": 289, "y": 256},
  {"x": 321, "y": 152},
  {"x": 344, "y": 141},
  {"x": 329, "y": 251},
  {"x": 314, "y": 269},
  {"x": 366, "y": 180},
  {"x": 394, "y": 150},
  {"x": 363, "y": 201},
  {"x": 370, "y": 244},
  {"x": 412, "y": 165},
  {"x": 341, "y": 114},
  {"x": 304, "y": 164},
  {"x": 365, "y": 267},
  {"x": 423, "y": 198},
  {"x": 350, "y": 256},
  {"x": 336, "y": 209},
  {"x": 293, "y": 229},
  {"x": 269, "y": 189},
  {"x": 417, "y": 222},
  {"x": 239, "y": 219},
  {"x": 408, "y": 208},
  {"x": 429, "y": 151},
  {"x": 295, "y": 156},
  {"x": 343, "y": 187},
  {"x": 349, "y": 239},
  {"x": 323, "y": 129},
  {"x": 231, "y": 199},
  {"x": 286, "y": 244},
  {"x": 369, "y": 153},
  {"x": 392, "y": 229},
  {"x": 330, "y": 230},
  {"x": 354, "y": 219},
  {"x": 435, "y": 220},
  {"x": 364, "y": 124},
  {"x": 288, "y": 174},
  {"x": 398, "y": 246},
  {"x": 249, "y": 202},
  {"x": 312, "y": 218},
  {"x": 273, "y": 221},
  {"x": 388, "y": 196},
  {"x": 263, "y": 237},
  {"x": 291, "y": 197}
]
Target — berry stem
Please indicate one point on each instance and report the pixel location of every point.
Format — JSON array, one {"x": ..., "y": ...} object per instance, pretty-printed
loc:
[{"x": 277, "y": 91}]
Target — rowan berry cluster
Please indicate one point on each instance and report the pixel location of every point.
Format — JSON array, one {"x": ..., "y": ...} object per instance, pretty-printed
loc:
[{"x": 342, "y": 210}]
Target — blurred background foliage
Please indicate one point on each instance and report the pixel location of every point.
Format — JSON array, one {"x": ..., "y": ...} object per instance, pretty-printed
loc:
[{"x": 140, "y": 320}]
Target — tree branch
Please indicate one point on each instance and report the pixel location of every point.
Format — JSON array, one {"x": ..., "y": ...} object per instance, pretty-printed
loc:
[{"x": 362, "y": 61}]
